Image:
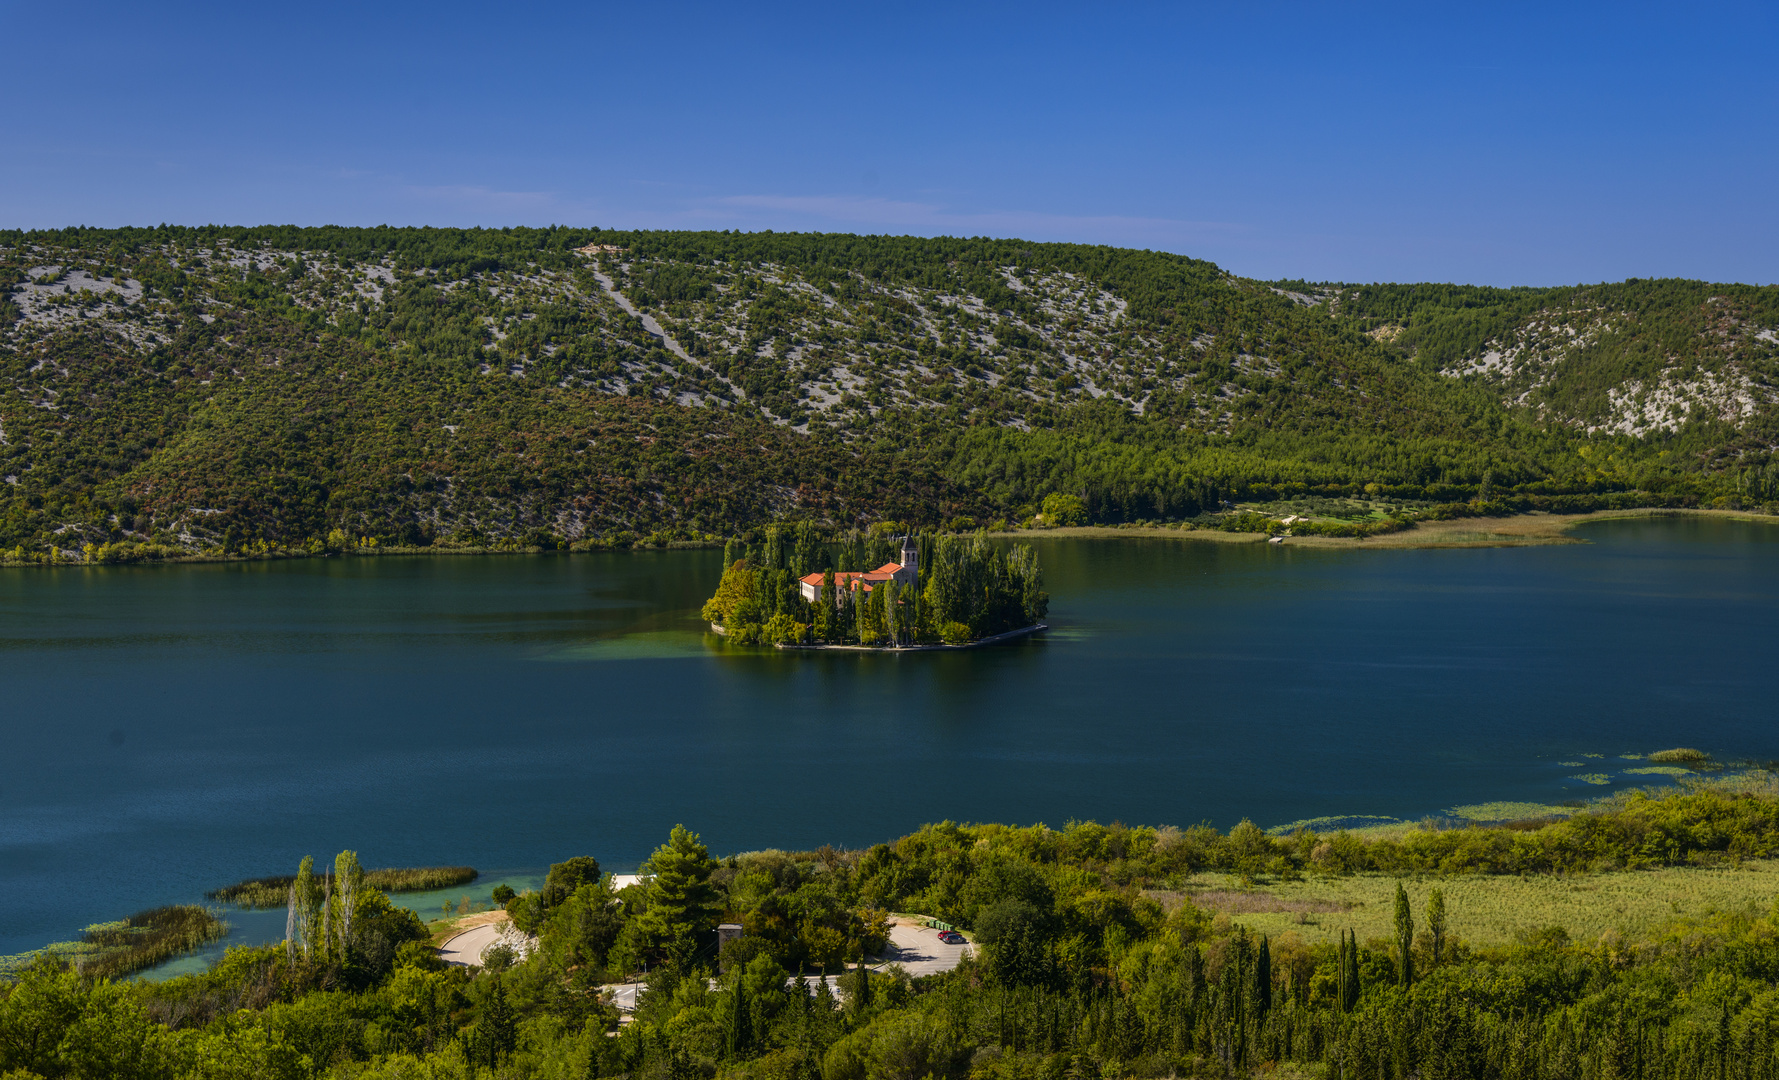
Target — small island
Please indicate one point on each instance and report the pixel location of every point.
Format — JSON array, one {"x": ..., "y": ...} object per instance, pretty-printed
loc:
[{"x": 875, "y": 591}]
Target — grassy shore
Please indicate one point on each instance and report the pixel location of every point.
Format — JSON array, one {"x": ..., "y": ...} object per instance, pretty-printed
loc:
[
  {"x": 1491, "y": 910},
  {"x": 1522, "y": 530}
]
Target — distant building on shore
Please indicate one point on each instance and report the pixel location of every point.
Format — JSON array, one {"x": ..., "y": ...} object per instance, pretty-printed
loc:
[{"x": 905, "y": 574}]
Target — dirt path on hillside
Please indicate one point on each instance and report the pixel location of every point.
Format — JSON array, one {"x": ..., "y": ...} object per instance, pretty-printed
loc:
[
  {"x": 648, "y": 321},
  {"x": 653, "y": 326}
]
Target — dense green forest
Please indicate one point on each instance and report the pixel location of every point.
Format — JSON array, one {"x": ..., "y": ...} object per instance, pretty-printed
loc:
[
  {"x": 282, "y": 389},
  {"x": 1091, "y": 959}
]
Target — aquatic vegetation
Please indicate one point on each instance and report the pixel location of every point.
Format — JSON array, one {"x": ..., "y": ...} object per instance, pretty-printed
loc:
[
  {"x": 274, "y": 892},
  {"x": 1335, "y": 823},
  {"x": 1680, "y": 754},
  {"x": 114, "y": 949},
  {"x": 1599, "y": 778},
  {"x": 1509, "y": 811}
]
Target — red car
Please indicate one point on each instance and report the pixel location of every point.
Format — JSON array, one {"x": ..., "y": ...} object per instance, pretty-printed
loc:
[{"x": 951, "y": 937}]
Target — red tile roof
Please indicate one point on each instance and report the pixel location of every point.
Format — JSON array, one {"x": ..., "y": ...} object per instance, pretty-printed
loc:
[{"x": 855, "y": 579}]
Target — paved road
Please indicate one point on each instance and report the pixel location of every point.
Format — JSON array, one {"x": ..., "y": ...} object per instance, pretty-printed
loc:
[
  {"x": 465, "y": 949},
  {"x": 917, "y": 949}
]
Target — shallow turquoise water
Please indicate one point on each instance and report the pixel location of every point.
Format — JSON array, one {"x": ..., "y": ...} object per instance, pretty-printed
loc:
[{"x": 171, "y": 729}]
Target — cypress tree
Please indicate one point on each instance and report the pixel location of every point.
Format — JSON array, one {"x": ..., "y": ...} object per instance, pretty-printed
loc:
[
  {"x": 739, "y": 1035},
  {"x": 1262, "y": 982},
  {"x": 1436, "y": 923},
  {"x": 1350, "y": 971},
  {"x": 1405, "y": 939},
  {"x": 864, "y": 979},
  {"x": 1195, "y": 978},
  {"x": 830, "y": 608}
]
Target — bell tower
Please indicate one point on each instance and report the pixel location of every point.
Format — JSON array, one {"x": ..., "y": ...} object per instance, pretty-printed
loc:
[{"x": 909, "y": 575}]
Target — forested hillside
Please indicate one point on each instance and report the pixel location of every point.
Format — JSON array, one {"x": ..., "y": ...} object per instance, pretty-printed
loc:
[
  {"x": 281, "y": 388},
  {"x": 1684, "y": 358}
]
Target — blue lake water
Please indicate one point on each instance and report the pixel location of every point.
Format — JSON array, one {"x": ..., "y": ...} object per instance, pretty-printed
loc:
[{"x": 170, "y": 729}]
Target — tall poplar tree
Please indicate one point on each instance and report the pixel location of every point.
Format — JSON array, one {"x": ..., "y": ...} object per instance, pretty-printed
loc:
[
  {"x": 308, "y": 897},
  {"x": 349, "y": 876}
]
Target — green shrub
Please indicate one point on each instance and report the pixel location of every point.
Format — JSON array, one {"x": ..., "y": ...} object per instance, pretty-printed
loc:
[
  {"x": 1063, "y": 509},
  {"x": 781, "y": 629}
]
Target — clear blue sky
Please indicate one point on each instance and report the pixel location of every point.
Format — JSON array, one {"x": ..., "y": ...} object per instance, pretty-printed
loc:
[{"x": 1488, "y": 143}]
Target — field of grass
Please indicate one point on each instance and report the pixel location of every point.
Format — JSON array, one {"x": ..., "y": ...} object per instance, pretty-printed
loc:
[{"x": 1489, "y": 910}]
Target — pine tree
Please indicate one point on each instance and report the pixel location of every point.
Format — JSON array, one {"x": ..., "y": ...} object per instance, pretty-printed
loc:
[
  {"x": 1405, "y": 939},
  {"x": 682, "y": 902},
  {"x": 500, "y": 1032}
]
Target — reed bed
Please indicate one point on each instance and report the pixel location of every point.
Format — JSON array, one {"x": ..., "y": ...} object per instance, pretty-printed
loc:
[
  {"x": 148, "y": 938},
  {"x": 273, "y": 892}
]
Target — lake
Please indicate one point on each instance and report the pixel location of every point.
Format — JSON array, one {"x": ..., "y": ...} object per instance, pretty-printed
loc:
[{"x": 171, "y": 729}]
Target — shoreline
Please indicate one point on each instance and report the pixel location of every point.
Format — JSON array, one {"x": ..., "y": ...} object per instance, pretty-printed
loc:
[
  {"x": 992, "y": 639},
  {"x": 1535, "y": 528}
]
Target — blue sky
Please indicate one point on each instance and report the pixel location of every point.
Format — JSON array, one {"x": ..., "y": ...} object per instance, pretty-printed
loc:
[{"x": 1487, "y": 143}]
